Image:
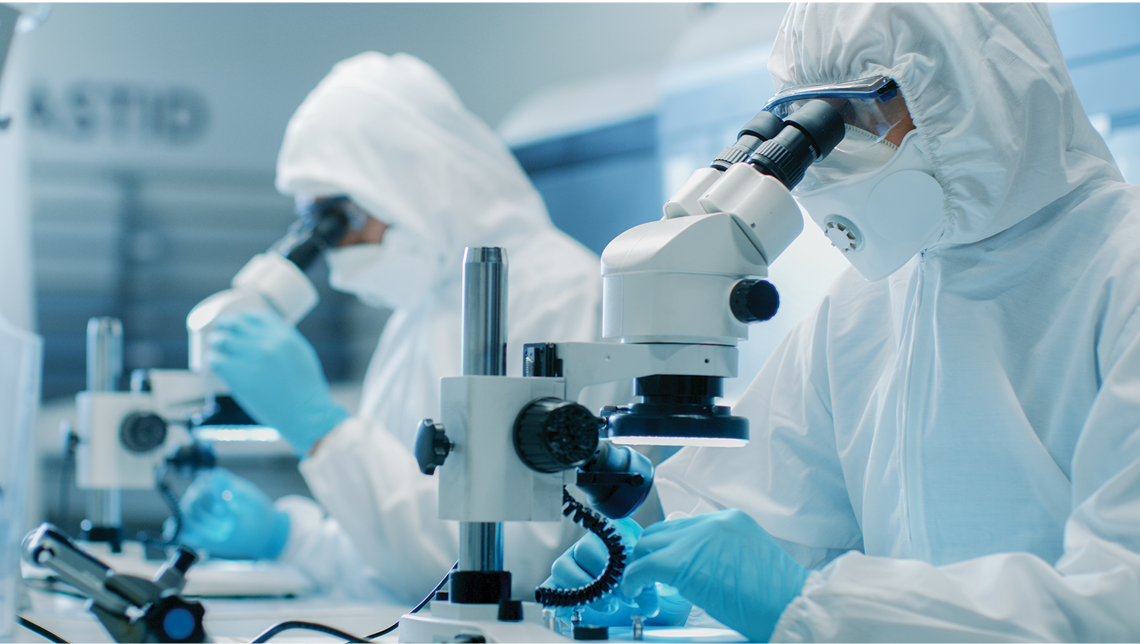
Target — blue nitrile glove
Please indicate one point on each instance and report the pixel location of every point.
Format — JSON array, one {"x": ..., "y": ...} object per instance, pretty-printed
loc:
[
  {"x": 274, "y": 374},
  {"x": 586, "y": 559},
  {"x": 723, "y": 562},
  {"x": 231, "y": 518}
]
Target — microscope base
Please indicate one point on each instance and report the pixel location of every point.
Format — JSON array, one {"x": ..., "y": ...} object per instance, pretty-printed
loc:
[{"x": 450, "y": 622}]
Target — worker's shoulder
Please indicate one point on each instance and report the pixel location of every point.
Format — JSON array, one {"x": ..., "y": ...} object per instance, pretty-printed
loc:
[{"x": 1117, "y": 204}]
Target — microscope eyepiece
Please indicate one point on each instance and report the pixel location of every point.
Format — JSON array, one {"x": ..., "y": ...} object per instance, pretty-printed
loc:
[
  {"x": 762, "y": 127},
  {"x": 809, "y": 134},
  {"x": 321, "y": 227}
]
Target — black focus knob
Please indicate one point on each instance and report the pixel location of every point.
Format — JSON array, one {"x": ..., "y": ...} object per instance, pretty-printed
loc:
[
  {"x": 142, "y": 431},
  {"x": 754, "y": 301},
  {"x": 432, "y": 446},
  {"x": 552, "y": 435}
]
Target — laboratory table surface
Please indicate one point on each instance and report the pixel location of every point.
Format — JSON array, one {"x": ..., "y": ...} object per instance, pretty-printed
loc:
[{"x": 227, "y": 619}]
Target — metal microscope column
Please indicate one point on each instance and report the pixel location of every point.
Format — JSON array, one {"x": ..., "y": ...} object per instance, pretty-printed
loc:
[
  {"x": 104, "y": 369},
  {"x": 484, "y": 354}
]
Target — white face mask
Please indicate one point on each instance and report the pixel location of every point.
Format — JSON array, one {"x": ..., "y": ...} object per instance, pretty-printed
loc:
[
  {"x": 880, "y": 219},
  {"x": 396, "y": 273}
]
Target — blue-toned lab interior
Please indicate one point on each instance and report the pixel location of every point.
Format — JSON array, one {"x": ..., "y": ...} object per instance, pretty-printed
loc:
[{"x": 137, "y": 178}]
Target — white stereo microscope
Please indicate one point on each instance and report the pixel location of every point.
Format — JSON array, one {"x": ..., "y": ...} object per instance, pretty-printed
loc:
[{"x": 678, "y": 294}]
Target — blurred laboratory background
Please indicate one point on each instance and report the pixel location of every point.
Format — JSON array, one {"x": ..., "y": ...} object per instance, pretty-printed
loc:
[{"x": 137, "y": 173}]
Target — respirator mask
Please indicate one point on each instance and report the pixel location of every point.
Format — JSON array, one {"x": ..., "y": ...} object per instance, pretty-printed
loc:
[
  {"x": 878, "y": 204},
  {"x": 396, "y": 273}
]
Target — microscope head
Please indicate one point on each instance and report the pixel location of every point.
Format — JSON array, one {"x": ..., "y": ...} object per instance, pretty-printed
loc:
[{"x": 696, "y": 278}]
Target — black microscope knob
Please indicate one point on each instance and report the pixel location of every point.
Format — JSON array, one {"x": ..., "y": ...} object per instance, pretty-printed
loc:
[
  {"x": 754, "y": 301},
  {"x": 432, "y": 446},
  {"x": 142, "y": 431},
  {"x": 552, "y": 435}
]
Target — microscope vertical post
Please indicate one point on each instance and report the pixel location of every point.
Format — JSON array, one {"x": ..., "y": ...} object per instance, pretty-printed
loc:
[
  {"x": 484, "y": 354},
  {"x": 104, "y": 368}
]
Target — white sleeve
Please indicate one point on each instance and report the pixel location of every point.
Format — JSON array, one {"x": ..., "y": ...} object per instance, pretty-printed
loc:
[
  {"x": 319, "y": 548},
  {"x": 370, "y": 483},
  {"x": 1091, "y": 594}
]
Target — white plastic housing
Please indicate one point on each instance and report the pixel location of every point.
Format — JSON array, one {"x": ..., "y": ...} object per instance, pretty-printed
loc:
[
  {"x": 483, "y": 479},
  {"x": 684, "y": 202},
  {"x": 764, "y": 206},
  {"x": 670, "y": 280},
  {"x": 452, "y": 622},
  {"x": 101, "y": 460},
  {"x": 266, "y": 281},
  {"x": 591, "y": 363},
  {"x": 281, "y": 283}
]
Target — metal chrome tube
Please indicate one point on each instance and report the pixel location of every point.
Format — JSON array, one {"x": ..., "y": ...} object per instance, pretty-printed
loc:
[
  {"x": 481, "y": 546},
  {"x": 104, "y": 368},
  {"x": 484, "y": 312},
  {"x": 104, "y": 354},
  {"x": 484, "y": 354}
]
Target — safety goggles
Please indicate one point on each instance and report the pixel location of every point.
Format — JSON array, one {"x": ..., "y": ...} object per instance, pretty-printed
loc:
[
  {"x": 870, "y": 108},
  {"x": 313, "y": 210}
]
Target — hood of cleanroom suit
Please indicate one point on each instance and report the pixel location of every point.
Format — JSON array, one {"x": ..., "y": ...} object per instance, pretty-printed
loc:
[
  {"x": 391, "y": 134},
  {"x": 956, "y": 448},
  {"x": 1005, "y": 131}
]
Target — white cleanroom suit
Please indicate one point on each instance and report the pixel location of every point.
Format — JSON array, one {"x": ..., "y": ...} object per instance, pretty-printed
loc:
[
  {"x": 956, "y": 448},
  {"x": 391, "y": 134}
]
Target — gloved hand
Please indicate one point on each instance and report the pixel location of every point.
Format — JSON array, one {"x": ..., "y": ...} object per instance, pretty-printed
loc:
[
  {"x": 723, "y": 562},
  {"x": 586, "y": 559},
  {"x": 274, "y": 374},
  {"x": 231, "y": 518}
]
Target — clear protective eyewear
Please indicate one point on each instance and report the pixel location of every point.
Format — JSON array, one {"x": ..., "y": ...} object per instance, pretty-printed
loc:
[
  {"x": 870, "y": 107},
  {"x": 310, "y": 210}
]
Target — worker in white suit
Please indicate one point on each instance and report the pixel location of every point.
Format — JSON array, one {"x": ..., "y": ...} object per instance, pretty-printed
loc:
[
  {"x": 948, "y": 447},
  {"x": 423, "y": 178}
]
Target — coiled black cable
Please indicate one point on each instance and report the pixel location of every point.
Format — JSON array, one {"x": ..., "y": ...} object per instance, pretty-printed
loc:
[{"x": 608, "y": 580}]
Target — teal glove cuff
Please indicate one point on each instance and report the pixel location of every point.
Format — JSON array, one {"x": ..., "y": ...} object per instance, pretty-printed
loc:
[{"x": 304, "y": 434}]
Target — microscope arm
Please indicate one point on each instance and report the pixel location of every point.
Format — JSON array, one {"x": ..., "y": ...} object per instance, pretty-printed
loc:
[{"x": 132, "y": 609}]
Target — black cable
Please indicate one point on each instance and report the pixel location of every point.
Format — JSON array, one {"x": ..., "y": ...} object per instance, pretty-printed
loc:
[
  {"x": 609, "y": 578},
  {"x": 419, "y": 606},
  {"x": 309, "y": 626},
  {"x": 276, "y": 629},
  {"x": 40, "y": 630}
]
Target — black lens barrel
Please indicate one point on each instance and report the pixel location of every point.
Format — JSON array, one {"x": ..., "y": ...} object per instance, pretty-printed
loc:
[{"x": 809, "y": 134}]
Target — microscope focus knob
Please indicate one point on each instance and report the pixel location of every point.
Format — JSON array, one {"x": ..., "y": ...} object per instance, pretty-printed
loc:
[
  {"x": 432, "y": 446},
  {"x": 552, "y": 435},
  {"x": 754, "y": 301},
  {"x": 142, "y": 431}
]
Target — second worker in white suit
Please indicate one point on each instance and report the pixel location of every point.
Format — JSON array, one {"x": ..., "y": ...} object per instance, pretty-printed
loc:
[{"x": 390, "y": 134}]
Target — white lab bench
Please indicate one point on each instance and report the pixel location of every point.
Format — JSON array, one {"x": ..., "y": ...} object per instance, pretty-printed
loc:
[
  {"x": 242, "y": 620},
  {"x": 227, "y": 619},
  {"x": 271, "y": 593}
]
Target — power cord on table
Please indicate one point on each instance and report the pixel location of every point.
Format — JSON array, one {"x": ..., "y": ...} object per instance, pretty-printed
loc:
[
  {"x": 276, "y": 629},
  {"x": 40, "y": 630}
]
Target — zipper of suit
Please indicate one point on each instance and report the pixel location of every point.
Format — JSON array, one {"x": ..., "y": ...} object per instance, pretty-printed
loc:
[{"x": 917, "y": 383}]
